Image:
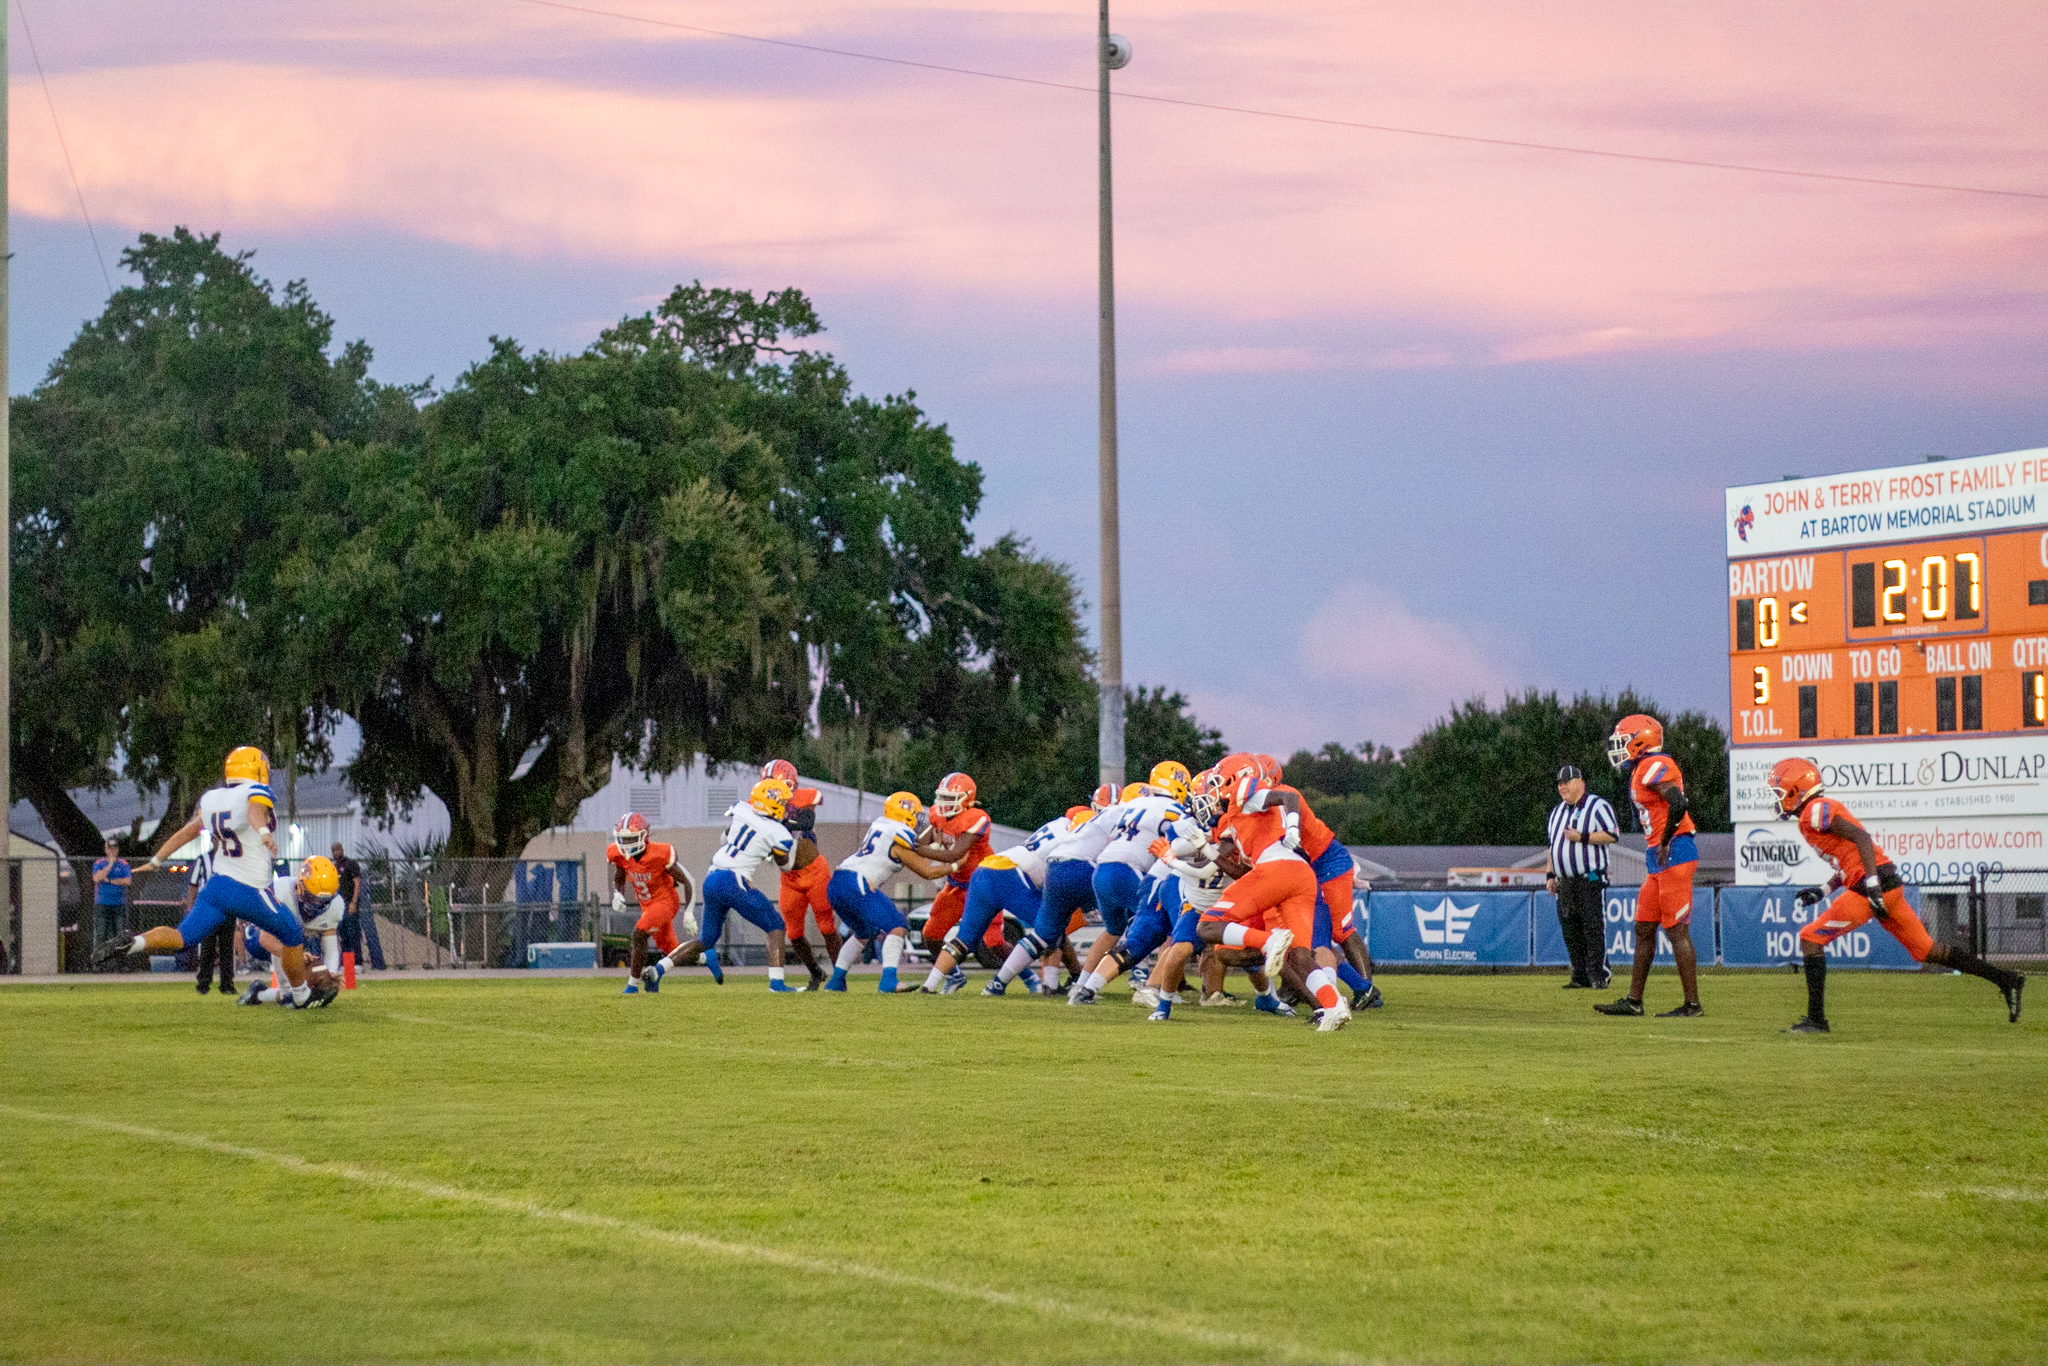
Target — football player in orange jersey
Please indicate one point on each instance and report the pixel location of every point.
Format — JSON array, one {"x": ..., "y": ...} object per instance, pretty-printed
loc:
[
  {"x": 1279, "y": 880},
  {"x": 802, "y": 884},
  {"x": 957, "y": 835},
  {"x": 1636, "y": 749},
  {"x": 660, "y": 883},
  {"x": 1870, "y": 886},
  {"x": 1337, "y": 944}
]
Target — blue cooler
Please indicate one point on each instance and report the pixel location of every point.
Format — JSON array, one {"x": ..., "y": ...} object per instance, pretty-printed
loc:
[{"x": 561, "y": 955}]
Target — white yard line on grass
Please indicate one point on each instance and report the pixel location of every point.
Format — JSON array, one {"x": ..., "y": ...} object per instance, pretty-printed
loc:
[
  {"x": 1987, "y": 1193},
  {"x": 694, "y": 1242}
]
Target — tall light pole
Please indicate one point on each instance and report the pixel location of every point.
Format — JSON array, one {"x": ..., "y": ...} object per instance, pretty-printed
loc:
[
  {"x": 1112, "y": 53},
  {"x": 6, "y": 484}
]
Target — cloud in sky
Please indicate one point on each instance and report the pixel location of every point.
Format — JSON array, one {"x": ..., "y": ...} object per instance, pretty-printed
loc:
[
  {"x": 1365, "y": 666},
  {"x": 541, "y": 132}
]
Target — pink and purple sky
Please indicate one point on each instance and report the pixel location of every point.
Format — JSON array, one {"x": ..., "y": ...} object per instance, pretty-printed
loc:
[{"x": 1409, "y": 420}]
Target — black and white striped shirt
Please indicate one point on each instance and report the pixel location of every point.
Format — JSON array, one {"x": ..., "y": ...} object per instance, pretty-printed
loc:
[{"x": 1570, "y": 858}]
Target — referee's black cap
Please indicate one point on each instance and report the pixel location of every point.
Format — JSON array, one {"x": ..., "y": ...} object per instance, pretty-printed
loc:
[{"x": 1568, "y": 772}]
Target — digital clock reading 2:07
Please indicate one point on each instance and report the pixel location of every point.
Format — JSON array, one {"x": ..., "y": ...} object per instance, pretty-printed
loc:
[{"x": 1911, "y": 638}]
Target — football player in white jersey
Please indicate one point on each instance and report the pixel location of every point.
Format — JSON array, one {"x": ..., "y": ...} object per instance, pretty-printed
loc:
[
  {"x": 1149, "y": 811},
  {"x": 314, "y": 896},
  {"x": 1010, "y": 880},
  {"x": 856, "y": 894},
  {"x": 239, "y": 815},
  {"x": 754, "y": 834},
  {"x": 1069, "y": 886}
]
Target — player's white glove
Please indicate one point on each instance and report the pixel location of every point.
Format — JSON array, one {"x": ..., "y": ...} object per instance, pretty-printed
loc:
[{"x": 618, "y": 900}]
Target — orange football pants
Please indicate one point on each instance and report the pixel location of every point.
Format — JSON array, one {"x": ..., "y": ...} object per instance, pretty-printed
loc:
[
  {"x": 947, "y": 908},
  {"x": 658, "y": 919},
  {"x": 804, "y": 890},
  {"x": 1286, "y": 887},
  {"x": 1666, "y": 897},
  {"x": 1850, "y": 909}
]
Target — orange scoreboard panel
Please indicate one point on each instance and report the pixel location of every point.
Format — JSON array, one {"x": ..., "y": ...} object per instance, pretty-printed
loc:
[{"x": 1909, "y": 638}]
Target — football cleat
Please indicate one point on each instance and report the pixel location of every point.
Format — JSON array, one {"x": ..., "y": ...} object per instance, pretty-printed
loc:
[
  {"x": 1620, "y": 1006},
  {"x": 1082, "y": 996},
  {"x": 996, "y": 987},
  {"x": 887, "y": 986},
  {"x": 1369, "y": 999},
  {"x": 1163, "y": 1011},
  {"x": 1273, "y": 1005},
  {"x": 955, "y": 980},
  {"x": 1577, "y": 984},
  {"x": 114, "y": 950},
  {"x": 248, "y": 997},
  {"x": 711, "y": 962},
  {"x": 1333, "y": 1018},
  {"x": 205, "y": 987},
  {"x": 650, "y": 979},
  {"x": 1685, "y": 1012},
  {"x": 1145, "y": 996},
  {"x": 632, "y": 989},
  {"x": 817, "y": 976},
  {"x": 1277, "y": 945},
  {"x": 1213, "y": 999},
  {"x": 2012, "y": 997},
  {"x": 774, "y": 985},
  {"x": 1806, "y": 1025},
  {"x": 838, "y": 981}
]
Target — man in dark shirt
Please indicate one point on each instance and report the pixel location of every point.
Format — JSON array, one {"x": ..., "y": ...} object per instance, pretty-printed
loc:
[{"x": 355, "y": 927}]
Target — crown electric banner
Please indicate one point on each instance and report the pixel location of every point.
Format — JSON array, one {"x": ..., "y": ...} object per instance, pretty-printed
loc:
[{"x": 1450, "y": 929}]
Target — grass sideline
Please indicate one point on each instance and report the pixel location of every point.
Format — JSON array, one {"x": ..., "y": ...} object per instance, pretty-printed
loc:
[{"x": 545, "y": 1171}]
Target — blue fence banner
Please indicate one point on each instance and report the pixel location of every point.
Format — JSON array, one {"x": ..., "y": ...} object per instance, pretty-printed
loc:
[
  {"x": 1760, "y": 929},
  {"x": 1618, "y": 909},
  {"x": 1451, "y": 928},
  {"x": 1548, "y": 949}
]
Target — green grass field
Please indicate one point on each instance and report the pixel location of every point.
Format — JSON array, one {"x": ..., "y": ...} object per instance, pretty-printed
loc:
[{"x": 544, "y": 1171}]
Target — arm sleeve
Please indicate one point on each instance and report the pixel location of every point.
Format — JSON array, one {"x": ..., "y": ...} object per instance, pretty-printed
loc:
[
  {"x": 1675, "y": 809},
  {"x": 330, "y": 951}
]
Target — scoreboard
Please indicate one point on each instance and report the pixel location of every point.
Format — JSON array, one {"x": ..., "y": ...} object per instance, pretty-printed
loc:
[{"x": 1892, "y": 625}]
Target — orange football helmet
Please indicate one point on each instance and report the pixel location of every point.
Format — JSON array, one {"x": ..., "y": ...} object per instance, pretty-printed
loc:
[
  {"x": 1634, "y": 736},
  {"x": 1105, "y": 796},
  {"x": 780, "y": 768},
  {"x": 630, "y": 834},
  {"x": 1794, "y": 783},
  {"x": 955, "y": 794}
]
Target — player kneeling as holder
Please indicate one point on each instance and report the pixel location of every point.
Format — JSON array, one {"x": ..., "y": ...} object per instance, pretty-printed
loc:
[
  {"x": 314, "y": 896},
  {"x": 239, "y": 816},
  {"x": 1869, "y": 886}
]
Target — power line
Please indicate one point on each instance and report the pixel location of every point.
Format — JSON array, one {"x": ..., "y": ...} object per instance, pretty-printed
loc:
[
  {"x": 50, "y": 100},
  {"x": 1514, "y": 143}
]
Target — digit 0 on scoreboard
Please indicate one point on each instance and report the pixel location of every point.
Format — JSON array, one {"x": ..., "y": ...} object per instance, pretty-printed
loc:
[{"x": 1919, "y": 637}]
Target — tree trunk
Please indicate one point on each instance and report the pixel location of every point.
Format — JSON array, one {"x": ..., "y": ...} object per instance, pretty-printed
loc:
[{"x": 69, "y": 826}]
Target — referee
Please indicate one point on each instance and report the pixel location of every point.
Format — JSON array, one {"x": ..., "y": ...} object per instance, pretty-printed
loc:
[{"x": 1581, "y": 828}]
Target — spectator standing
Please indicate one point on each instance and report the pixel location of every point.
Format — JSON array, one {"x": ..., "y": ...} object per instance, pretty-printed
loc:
[
  {"x": 110, "y": 880},
  {"x": 1582, "y": 825},
  {"x": 217, "y": 948},
  {"x": 354, "y": 928}
]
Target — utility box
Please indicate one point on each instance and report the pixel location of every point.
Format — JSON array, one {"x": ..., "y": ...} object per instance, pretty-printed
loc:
[{"x": 561, "y": 955}]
